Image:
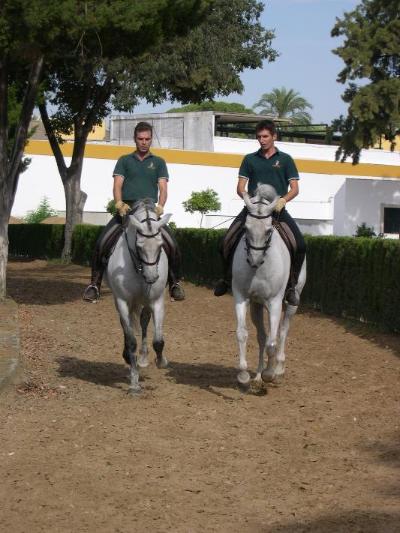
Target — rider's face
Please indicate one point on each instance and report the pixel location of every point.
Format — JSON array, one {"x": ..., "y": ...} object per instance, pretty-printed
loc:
[
  {"x": 266, "y": 139},
  {"x": 143, "y": 141}
]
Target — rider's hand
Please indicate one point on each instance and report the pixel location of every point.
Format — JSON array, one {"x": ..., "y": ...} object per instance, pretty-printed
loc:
[
  {"x": 280, "y": 204},
  {"x": 159, "y": 210},
  {"x": 122, "y": 208}
]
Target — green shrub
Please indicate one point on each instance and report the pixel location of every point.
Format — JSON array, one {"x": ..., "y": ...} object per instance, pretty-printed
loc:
[
  {"x": 346, "y": 276},
  {"x": 36, "y": 240}
]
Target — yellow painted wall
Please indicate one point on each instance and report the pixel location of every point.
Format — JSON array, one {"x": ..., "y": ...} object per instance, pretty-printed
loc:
[{"x": 214, "y": 159}]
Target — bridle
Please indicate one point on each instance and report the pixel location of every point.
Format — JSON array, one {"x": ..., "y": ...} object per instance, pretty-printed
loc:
[
  {"x": 267, "y": 243},
  {"x": 137, "y": 260}
]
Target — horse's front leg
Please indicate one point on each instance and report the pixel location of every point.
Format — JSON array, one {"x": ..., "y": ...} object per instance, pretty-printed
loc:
[
  {"x": 274, "y": 310},
  {"x": 130, "y": 344},
  {"x": 144, "y": 322},
  {"x": 257, "y": 316},
  {"x": 157, "y": 310},
  {"x": 243, "y": 376}
]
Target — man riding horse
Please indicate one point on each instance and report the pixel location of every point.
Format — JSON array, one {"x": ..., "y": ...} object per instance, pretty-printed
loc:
[
  {"x": 138, "y": 175},
  {"x": 266, "y": 166}
]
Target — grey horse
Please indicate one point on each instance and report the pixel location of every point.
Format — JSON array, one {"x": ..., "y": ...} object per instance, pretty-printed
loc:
[
  {"x": 260, "y": 272},
  {"x": 137, "y": 274}
]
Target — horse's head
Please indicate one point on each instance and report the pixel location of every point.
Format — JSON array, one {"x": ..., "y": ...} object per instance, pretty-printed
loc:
[
  {"x": 148, "y": 242},
  {"x": 259, "y": 223}
]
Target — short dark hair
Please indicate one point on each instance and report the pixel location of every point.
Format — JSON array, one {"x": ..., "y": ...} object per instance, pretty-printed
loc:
[
  {"x": 142, "y": 126},
  {"x": 266, "y": 125}
]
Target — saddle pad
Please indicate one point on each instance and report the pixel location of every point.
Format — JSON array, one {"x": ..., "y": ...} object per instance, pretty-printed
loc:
[{"x": 287, "y": 236}]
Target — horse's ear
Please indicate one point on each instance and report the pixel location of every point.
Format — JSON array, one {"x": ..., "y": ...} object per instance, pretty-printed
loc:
[
  {"x": 135, "y": 222},
  {"x": 247, "y": 201},
  {"x": 164, "y": 220}
]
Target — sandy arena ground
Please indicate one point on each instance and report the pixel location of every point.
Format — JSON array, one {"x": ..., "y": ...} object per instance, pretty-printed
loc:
[{"x": 318, "y": 453}]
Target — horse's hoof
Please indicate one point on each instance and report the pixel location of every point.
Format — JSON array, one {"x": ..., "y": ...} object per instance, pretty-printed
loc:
[
  {"x": 162, "y": 362},
  {"x": 278, "y": 379},
  {"x": 143, "y": 361},
  {"x": 243, "y": 379},
  {"x": 258, "y": 387},
  {"x": 135, "y": 391},
  {"x": 267, "y": 376}
]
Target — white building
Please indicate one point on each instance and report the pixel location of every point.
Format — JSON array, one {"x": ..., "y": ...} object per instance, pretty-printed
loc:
[{"x": 334, "y": 197}]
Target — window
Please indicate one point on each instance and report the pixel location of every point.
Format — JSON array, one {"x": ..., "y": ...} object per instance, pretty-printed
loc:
[{"x": 391, "y": 220}]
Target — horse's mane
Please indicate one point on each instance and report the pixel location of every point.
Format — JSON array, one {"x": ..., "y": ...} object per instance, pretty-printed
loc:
[
  {"x": 146, "y": 203},
  {"x": 267, "y": 192}
]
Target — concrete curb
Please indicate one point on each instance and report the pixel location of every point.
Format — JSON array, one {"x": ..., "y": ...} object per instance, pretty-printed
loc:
[{"x": 9, "y": 343}]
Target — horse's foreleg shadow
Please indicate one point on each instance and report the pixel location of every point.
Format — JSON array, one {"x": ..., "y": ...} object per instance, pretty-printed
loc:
[
  {"x": 205, "y": 376},
  {"x": 106, "y": 374}
]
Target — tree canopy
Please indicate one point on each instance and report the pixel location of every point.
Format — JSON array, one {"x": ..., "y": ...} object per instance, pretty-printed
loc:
[
  {"x": 370, "y": 51},
  {"x": 162, "y": 51},
  {"x": 284, "y": 103},
  {"x": 202, "y": 202},
  {"x": 210, "y": 105}
]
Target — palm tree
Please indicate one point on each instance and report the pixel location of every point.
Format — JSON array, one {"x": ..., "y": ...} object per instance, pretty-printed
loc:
[{"x": 283, "y": 103}]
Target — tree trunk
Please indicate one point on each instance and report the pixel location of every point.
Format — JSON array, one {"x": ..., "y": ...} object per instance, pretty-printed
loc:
[
  {"x": 10, "y": 163},
  {"x": 3, "y": 252},
  {"x": 74, "y": 203}
]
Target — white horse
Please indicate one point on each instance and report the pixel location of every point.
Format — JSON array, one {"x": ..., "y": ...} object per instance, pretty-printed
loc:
[
  {"x": 137, "y": 274},
  {"x": 260, "y": 273}
]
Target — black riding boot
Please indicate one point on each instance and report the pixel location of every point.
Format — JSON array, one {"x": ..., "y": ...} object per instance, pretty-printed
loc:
[
  {"x": 292, "y": 296},
  {"x": 104, "y": 247},
  {"x": 92, "y": 291}
]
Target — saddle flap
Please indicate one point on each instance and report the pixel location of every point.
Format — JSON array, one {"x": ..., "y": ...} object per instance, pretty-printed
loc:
[{"x": 287, "y": 236}]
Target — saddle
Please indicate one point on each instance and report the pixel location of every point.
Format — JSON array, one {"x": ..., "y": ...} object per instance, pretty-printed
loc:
[{"x": 287, "y": 236}]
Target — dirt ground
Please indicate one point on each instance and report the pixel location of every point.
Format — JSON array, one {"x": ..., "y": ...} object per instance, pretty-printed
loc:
[{"x": 318, "y": 453}]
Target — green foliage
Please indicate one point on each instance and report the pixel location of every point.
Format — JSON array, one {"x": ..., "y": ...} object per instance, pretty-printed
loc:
[
  {"x": 283, "y": 103},
  {"x": 200, "y": 254},
  {"x": 110, "y": 208},
  {"x": 209, "y": 60},
  {"x": 357, "y": 278},
  {"x": 202, "y": 202},
  {"x": 83, "y": 242},
  {"x": 36, "y": 240},
  {"x": 365, "y": 231},
  {"x": 371, "y": 50},
  {"x": 210, "y": 105},
  {"x": 42, "y": 212}
]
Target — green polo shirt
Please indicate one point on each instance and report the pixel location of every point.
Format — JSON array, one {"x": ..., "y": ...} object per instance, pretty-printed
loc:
[
  {"x": 140, "y": 176},
  {"x": 277, "y": 171}
]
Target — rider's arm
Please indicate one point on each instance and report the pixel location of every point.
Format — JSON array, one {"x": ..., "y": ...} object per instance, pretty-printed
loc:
[
  {"x": 163, "y": 191},
  {"x": 241, "y": 186},
  {"x": 293, "y": 190},
  {"x": 117, "y": 188}
]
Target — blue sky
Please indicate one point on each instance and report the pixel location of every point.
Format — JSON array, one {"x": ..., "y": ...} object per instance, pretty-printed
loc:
[{"x": 306, "y": 63}]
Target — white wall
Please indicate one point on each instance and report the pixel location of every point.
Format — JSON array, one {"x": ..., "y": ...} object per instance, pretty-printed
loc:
[
  {"x": 326, "y": 203},
  {"x": 317, "y": 152},
  {"x": 364, "y": 200}
]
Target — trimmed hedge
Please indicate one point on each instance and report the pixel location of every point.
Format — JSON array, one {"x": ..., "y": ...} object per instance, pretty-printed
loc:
[
  {"x": 346, "y": 276},
  {"x": 356, "y": 278},
  {"x": 36, "y": 240}
]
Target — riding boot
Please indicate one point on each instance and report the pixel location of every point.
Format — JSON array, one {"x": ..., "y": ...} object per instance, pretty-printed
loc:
[
  {"x": 175, "y": 289},
  {"x": 292, "y": 296},
  {"x": 171, "y": 248},
  {"x": 92, "y": 291},
  {"x": 224, "y": 284},
  {"x": 227, "y": 250}
]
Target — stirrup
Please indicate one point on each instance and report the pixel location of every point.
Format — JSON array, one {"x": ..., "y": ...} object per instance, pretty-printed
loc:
[
  {"x": 221, "y": 287},
  {"x": 292, "y": 296},
  {"x": 91, "y": 298},
  {"x": 176, "y": 292}
]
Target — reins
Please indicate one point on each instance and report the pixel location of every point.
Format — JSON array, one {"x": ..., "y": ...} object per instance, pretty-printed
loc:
[
  {"x": 267, "y": 243},
  {"x": 137, "y": 260}
]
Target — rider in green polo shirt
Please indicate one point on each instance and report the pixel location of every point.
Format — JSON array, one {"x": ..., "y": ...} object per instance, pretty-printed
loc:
[
  {"x": 138, "y": 175},
  {"x": 267, "y": 166}
]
